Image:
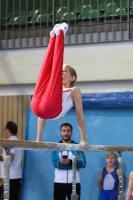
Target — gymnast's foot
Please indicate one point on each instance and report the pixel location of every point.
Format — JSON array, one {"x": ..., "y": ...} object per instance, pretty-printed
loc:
[
  {"x": 52, "y": 33},
  {"x": 64, "y": 27},
  {"x": 57, "y": 28}
]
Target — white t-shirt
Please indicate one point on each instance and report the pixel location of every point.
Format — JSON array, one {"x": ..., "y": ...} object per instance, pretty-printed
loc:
[{"x": 15, "y": 165}]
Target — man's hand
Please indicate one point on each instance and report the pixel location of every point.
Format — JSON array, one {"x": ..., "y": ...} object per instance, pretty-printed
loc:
[{"x": 65, "y": 161}]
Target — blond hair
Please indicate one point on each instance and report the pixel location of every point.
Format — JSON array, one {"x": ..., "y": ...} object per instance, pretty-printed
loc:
[
  {"x": 111, "y": 153},
  {"x": 72, "y": 73}
]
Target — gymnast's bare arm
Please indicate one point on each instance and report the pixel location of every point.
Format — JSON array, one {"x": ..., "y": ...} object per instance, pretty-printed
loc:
[
  {"x": 77, "y": 100},
  {"x": 130, "y": 187},
  {"x": 40, "y": 128},
  {"x": 76, "y": 96}
]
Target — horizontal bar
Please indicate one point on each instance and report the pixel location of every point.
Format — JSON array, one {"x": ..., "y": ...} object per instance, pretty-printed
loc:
[{"x": 31, "y": 145}]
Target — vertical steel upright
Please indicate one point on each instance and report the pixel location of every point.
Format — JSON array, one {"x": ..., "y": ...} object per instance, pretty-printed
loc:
[
  {"x": 7, "y": 160},
  {"x": 74, "y": 195},
  {"x": 120, "y": 160}
]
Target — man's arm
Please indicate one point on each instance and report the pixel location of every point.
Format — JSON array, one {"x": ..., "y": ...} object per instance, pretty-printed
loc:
[
  {"x": 77, "y": 99},
  {"x": 130, "y": 187},
  {"x": 100, "y": 179},
  {"x": 40, "y": 128}
]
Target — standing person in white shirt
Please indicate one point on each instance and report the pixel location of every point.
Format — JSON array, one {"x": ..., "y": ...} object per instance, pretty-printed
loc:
[{"x": 10, "y": 132}]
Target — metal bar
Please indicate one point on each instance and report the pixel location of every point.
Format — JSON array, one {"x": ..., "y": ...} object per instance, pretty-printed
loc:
[
  {"x": 98, "y": 34},
  {"x": 82, "y": 26},
  {"x": 6, "y": 34},
  {"x": 105, "y": 25},
  {"x": 68, "y": 10},
  {"x": 31, "y": 145},
  {"x": 48, "y": 23},
  {"x": 40, "y": 25},
  {"x": 0, "y": 24},
  {"x": 33, "y": 25},
  {"x": 20, "y": 30},
  {"x": 13, "y": 33},
  {"x": 61, "y": 5},
  {"x": 75, "y": 26},
  {"x": 74, "y": 195},
  {"x": 27, "y": 38},
  {"x": 53, "y": 12},
  {"x": 90, "y": 27},
  {"x": 120, "y": 160},
  {"x": 121, "y": 21},
  {"x": 128, "y": 19},
  {"x": 113, "y": 21},
  {"x": 7, "y": 160}
]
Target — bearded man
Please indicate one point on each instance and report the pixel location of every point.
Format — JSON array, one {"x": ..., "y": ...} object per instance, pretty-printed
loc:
[{"x": 62, "y": 161}]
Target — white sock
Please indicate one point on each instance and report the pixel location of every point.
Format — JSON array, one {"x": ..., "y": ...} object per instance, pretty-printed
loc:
[
  {"x": 57, "y": 32},
  {"x": 56, "y": 27},
  {"x": 64, "y": 27},
  {"x": 52, "y": 34}
]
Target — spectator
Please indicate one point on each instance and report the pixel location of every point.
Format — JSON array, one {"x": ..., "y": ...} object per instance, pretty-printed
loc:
[
  {"x": 108, "y": 181},
  {"x": 10, "y": 132},
  {"x": 129, "y": 195},
  {"x": 62, "y": 161}
]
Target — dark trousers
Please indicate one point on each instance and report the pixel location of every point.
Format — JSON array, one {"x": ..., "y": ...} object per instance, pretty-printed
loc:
[
  {"x": 15, "y": 189},
  {"x": 61, "y": 191},
  {"x": 1, "y": 192}
]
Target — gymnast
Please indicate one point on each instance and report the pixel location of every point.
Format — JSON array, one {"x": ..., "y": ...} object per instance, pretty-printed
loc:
[
  {"x": 54, "y": 94},
  {"x": 129, "y": 195}
]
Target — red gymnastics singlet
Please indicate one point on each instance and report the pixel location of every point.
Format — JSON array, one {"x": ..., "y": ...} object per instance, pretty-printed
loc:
[{"x": 47, "y": 98}]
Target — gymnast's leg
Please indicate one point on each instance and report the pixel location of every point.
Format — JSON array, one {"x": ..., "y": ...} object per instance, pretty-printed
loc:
[
  {"x": 43, "y": 79},
  {"x": 49, "y": 85},
  {"x": 55, "y": 82}
]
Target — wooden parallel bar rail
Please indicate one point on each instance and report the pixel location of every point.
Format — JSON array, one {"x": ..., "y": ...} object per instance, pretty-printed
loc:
[{"x": 31, "y": 145}]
